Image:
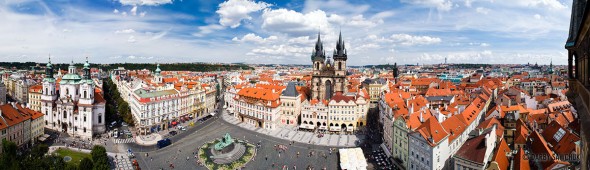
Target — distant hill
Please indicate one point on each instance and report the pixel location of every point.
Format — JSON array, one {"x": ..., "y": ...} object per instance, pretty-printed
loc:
[{"x": 134, "y": 66}]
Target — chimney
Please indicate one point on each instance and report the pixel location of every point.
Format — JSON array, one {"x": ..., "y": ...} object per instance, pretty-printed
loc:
[
  {"x": 421, "y": 118},
  {"x": 411, "y": 108}
]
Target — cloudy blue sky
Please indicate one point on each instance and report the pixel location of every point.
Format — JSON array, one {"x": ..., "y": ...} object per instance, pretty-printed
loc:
[{"x": 283, "y": 31}]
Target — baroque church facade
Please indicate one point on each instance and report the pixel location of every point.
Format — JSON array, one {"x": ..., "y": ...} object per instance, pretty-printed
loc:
[
  {"x": 329, "y": 73},
  {"x": 73, "y": 103}
]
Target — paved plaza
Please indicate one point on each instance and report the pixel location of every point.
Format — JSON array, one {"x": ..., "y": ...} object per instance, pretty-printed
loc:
[
  {"x": 177, "y": 153},
  {"x": 291, "y": 133}
]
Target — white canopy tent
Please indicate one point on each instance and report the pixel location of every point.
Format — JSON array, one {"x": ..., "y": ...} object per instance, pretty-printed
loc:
[{"x": 352, "y": 159}]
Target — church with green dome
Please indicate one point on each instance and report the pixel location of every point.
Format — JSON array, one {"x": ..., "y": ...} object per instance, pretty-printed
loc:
[{"x": 73, "y": 103}]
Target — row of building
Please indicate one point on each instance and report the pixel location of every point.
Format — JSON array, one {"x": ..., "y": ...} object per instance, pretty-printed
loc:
[
  {"x": 323, "y": 98},
  {"x": 159, "y": 100},
  {"x": 480, "y": 122},
  {"x": 70, "y": 101}
]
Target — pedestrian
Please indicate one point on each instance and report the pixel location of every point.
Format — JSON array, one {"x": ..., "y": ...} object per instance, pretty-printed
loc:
[
  {"x": 151, "y": 159},
  {"x": 266, "y": 157},
  {"x": 187, "y": 158}
]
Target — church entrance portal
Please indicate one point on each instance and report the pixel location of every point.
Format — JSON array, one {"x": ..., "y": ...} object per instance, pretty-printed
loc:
[
  {"x": 64, "y": 127},
  {"x": 329, "y": 90}
]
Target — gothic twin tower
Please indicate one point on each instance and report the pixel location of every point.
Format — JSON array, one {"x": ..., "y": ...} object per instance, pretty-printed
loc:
[{"x": 329, "y": 74}]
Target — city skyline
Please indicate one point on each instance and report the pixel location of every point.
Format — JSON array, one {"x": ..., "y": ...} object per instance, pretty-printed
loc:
[{"x": 261, "y": 32}]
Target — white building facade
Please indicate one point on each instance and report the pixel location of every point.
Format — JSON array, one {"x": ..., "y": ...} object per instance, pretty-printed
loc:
[{"x": 77, "y": 108}]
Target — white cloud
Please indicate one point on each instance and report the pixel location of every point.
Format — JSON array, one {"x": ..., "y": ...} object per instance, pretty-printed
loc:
[
  {"x": 360, "y": 21},
  {"x": 335, "y": 7},
  {"x": 251, "y": 37},
  {"x": 408, "y": 40},
  {"x": 551, "y": 4},
  {"x": 133, "y": 11},
  {"x": 131, "y": 39},
  {"x": 131, "y": 57},
  {"x": 537, "y": 16},
  {"x": 124, "y": 13},
  {"x": 482, "y": 10},
  {"x": 484, "y": 44},
  {"x": 116, "y": 11},
  {"x": 125, "y": 31},
  {"x": 66, "y": 30},
  {"x": 295, "y": 23},
  {"x": 142, "y": 14},
  {"x": 207, "y": 29},
  {"x": 232, "y": 12},
  {"x": 145, "y": 2},
  {"x": 441, "y": 5}
]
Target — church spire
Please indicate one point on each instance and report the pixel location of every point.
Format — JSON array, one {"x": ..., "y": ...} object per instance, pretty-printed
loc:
[
  {"x": 340, "y": 49},
  {"x": 49, "y": 69},
  {"x": 318, "y": 52}
]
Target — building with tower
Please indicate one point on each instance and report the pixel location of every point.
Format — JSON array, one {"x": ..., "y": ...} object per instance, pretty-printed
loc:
[
  {"x": 74, "y": 104},
  {"x": 329, "y": 74}
]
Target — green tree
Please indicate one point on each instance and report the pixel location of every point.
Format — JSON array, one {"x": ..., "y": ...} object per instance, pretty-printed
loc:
[
  {"x": 99, "y": 153},
  {"x": 55, "y": 162},
  {"x": 9, "y": 160},
  {"x": 39, "y": 150},
  {"x": 85, "y": 164},
  {"x": 71, "y": 166}
]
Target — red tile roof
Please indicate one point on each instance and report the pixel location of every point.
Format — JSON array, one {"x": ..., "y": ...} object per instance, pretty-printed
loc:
[
  {"x": 500, "y": 155},
  {"x": 454, "y": 126},
  {"x": 491, "y": 122},
  {"x": 521, "y": 161},
  {"x": 432, "y": 131},
  {"x": 565, "y": 144},
  {"x": 474, "y": 149},
  {"x": 339, "y": 97}
]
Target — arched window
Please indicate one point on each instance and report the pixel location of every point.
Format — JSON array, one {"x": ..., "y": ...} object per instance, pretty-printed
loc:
[
  {"x": 339, "y": 65},
  {"x": 317, "y": 66},
  {"x": 46, "y": 91},
  {"x": 99, "y": 118},
  {"x": 85, "y": 95},
  {"x": 67, "y": 91},
  {"x": 65, "y": 115}
]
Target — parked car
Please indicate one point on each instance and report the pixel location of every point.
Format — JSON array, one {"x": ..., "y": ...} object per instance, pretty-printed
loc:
[
  {"x": 123, "y": 124},
  {"x": 172, "y": 133},
  {"x": 163, "y": 143},
  {"x": 182, "y": 128},
  {"x": 116, "y": 133}
]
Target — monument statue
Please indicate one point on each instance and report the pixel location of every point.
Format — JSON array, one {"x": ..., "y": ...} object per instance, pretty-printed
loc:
[{"x": 225, "y": 141}]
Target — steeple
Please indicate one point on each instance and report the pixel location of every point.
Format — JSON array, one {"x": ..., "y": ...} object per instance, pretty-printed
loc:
[
  {"x": 86, "y": 70},
  {"x": 158, "y": 70},
  {"x": 340, "y": 53},
  {"x": 49, "y": 69},
  {"x": 318, "y": 53},
  {"x": 72, "y": 68}
]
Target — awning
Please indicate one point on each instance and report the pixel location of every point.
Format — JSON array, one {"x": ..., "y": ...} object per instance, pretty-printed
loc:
[
  {"x": 306, "y": 126},
  {"x": 335, "y": 128},
  {"x": 323, "y": 127},
  {"x": 352, "y": 159},
  {"x": 386, "y": 150},
  {"x": 42, "y": 139},
  {"x": 212, "y": 113},
  {"x": 174, "y": 123}
]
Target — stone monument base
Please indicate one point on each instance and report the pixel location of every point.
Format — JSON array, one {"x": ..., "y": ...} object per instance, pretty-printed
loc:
[{"x": 230, "y": 155}]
